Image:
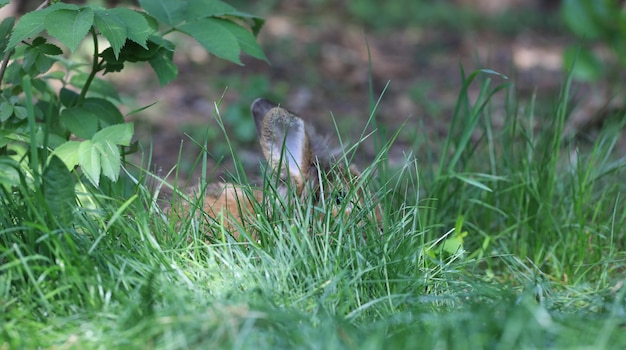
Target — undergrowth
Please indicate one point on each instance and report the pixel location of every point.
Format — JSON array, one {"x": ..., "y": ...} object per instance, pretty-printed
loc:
[{"x": 503, "y": 238}]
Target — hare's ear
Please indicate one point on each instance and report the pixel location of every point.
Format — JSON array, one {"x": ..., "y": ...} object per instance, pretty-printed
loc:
[
  {"x": 283, "y": 138},
  {"x": 259, "y": 108}
]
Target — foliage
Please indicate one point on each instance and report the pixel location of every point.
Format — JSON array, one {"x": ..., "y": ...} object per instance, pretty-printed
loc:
[
  {"x": 505, "y": 243},
  {"x": 56, "y": 106},
  {"x": 594, "y": 21},
  {"x": 505, "y": 238}
]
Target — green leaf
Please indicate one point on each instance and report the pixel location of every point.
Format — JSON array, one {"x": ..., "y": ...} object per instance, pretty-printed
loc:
[
  {"x": 119, "y": 134},
  {"x": 5, "y": 30},
  {"x": 89, "y": 161},
  {"x": 119, "y": 24},
  {"x": 3, "y": 3},
  {"x": 201, "y": 8},
  {"x": 35, "y": 62},
  {"x": 246, "y": 40},
  {"x": 58, "y": 191},
  {"x": 6, "y": 111},
  {"x": 214, "y": 37},
  {"x": 163, "y": 65},
  {"x": 110, "y": 162},
  {"x": 578, "y": 16},
  {"x": 32, "y": 23},
  {"x": 112, "y": 63},
  {"x": 112, "y": 27},
  {"x": 80, "y": 121},
  {"x": 137, "y": 27},
  {"x": 20, "y": 112},
  {"x": 69, "y": 26},
  {"x": 53, "y": 140},
  {"x": 68, "y": 97},
  {"x": 50, "y": 49},
  {"x": 68, "y": 153},
  {"x": 28, "y": 26},
  {"x": 106, "y": 111},
  {"x": 171, "y": 12},
  {"x": 9, "y": 175}
]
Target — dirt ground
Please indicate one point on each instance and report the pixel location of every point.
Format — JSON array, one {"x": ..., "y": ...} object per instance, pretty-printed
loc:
[{"x": 320, "y": 68}]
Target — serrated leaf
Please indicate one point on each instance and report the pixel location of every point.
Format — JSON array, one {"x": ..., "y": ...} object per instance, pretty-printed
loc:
[
  {"x": 214, "y": 37},
  {"x": 171, "y": 12},
  {"x": 40, "y": 40},
  {"x": 36, "y": 61},
  {"x": 68, "y": 153},
  {"x": 112, "y": 27},
  {"x": 58, "y": 191},
  {"x": 152, "y": 22},
  {"x": 201, "y": 8},
  {"x": 112, "y": 63},
  {"x": 28, "y": 26},
  {"x": 119, "y": 134},
  {"x": 69, "y": 26},
  {"x": 137, "y": 27},
  {"x": 80, "y": 121},
  {"x": 257, "y": 24},
  {"x": 246, "y": 40},
  {"x": 163, "y": 65},
  {"x": 110, "y": 162},
  {"x": 106, "y": 111},
  {"x": 50, "y": 49},
  {"x": 89, "y": 161},
  {"x": 32, "y": 23}
]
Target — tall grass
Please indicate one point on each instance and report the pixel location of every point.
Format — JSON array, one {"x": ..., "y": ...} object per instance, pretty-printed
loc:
[{"x": 511, "y": 238}]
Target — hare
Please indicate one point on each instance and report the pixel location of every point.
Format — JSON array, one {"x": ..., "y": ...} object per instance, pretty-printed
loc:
[{"x": 300, "y": 162}]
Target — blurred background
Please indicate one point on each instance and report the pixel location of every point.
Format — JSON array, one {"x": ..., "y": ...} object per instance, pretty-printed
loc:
[{"x": 324, "y": 54}]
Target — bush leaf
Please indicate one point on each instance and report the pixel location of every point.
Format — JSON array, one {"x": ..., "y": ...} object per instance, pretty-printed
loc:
[
  {"x": 58, "y": 191},
  {"x": 69, "y": 26},
  {"x": 89, "y": 161},
  {"x": 246, "y": 40},
  {"x": 214, "y": 37},
  {"x": 110, "y": 162},
  {"x": 119, "y": 134},
  {"x": 171, "y": 12},
  {"x": 68, "y": 153},
  {"x": 112, "y": 27},
  {"x": 80, "y": 121}
]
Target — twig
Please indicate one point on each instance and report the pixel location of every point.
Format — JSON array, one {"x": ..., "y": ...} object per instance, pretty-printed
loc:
[
  {"x": 43, "y": 4},
  {"x": 3, "y": 65}
]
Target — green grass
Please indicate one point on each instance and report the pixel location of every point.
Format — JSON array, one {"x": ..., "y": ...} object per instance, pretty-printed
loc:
[{"x": 500, "y": 239}]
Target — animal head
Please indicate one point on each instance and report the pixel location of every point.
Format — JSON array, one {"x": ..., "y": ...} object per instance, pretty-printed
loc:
[{"x": 296, "y": 154}]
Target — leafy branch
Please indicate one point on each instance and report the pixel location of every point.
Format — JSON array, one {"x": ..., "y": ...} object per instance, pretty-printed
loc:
[{"x": 86, "y": 129}]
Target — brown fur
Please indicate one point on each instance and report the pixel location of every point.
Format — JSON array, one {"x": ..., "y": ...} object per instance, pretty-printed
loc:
[{"x": 296, "y": 155}]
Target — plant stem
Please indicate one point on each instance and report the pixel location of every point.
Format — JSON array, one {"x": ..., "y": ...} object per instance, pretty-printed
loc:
[
  {"x": 3, "y": 66},
  {"x": 94, "y": 68},
  {"x": 30, "y": 112}
]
